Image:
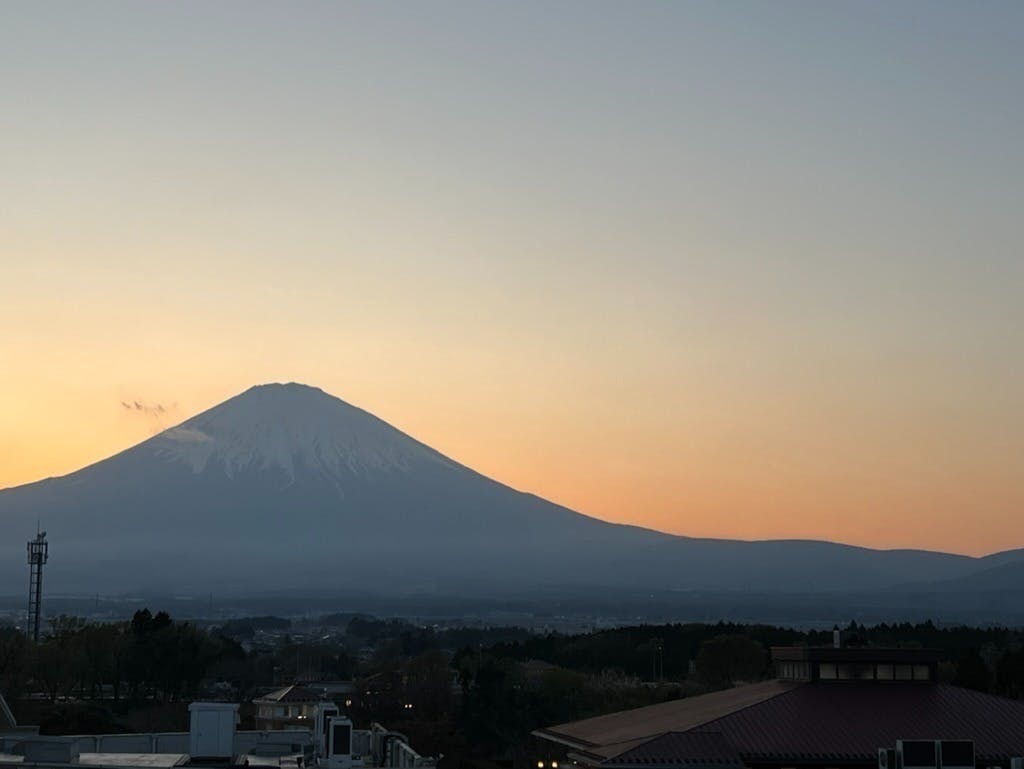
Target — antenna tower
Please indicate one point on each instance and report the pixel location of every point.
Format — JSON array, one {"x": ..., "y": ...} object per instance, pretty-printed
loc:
[{"x": 38, "y": 553}]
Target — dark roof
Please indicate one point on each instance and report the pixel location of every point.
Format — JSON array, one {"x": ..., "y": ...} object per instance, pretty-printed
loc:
[
  {"x": 613, "y": 733},
  {"x": 708, "y": 750},
  {"x": 851, "y": 720},
  {"x": 820, "y": 722},
  {"x": 293, "y": 693}
]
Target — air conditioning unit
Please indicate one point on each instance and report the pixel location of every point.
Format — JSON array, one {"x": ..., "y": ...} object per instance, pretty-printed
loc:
[
  {"x": 887, "y": 759},
  {"x": 956, "y": 754},
  {"x": 325, "y": 711},
  {"x": 339, "y": 744},
  {"x": 917, "y": 754}
]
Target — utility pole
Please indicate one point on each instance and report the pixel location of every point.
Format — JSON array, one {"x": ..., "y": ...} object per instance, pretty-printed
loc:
[
  {"x": 38, "y": 554},
  {"x": 657, "y": 659}
]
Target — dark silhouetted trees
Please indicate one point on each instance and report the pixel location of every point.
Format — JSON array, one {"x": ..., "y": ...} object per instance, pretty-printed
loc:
[{"x": 728, "y": 659}]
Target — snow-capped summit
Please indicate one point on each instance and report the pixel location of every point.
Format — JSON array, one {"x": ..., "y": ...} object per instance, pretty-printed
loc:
[{"x": 294, "y": 428}]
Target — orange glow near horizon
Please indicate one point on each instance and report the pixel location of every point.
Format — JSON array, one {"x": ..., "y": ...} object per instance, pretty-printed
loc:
[
  {"x": 690, "y": 266},
  {"x": 691, "y": 479}
]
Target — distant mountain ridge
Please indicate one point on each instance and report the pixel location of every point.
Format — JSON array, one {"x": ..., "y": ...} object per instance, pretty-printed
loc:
[{"x": 285, "y": 487}]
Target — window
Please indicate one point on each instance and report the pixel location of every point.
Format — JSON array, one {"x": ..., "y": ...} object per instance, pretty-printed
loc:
[
  {"x": 862, "y": 672},
  {"x": 827, "y": 671},
  {"x": 921, "y": 673},
  {"x": 903, "y": 672},
  {"x": 855, "y": 672},
  {"x": 793, "y": 671},
  {"x": 884, "y": 672}
]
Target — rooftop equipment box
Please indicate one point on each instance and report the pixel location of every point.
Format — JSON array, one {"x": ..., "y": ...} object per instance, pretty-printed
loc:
[
  {"x": 917, "y": 754},
  {"x": 956, "y": 754},
  {"x": 212, "y": 729},
  {"x": 51, "y": 750}
]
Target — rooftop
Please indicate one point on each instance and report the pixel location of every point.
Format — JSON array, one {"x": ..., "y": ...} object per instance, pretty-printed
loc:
[
  {"x": 293, "y": 693},
  {"x": 612, "y": 734},
  {"x": 134, "y": 760},
  {"x": 154, "y": 760},
  {"x": 797, "y": 722},
  {"x": 709, "y": 750}
]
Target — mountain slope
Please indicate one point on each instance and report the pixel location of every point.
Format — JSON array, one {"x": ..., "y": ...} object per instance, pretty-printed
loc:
[
  {"x": 284, "y": 486},
  {"x": 1003, "y": 578}
]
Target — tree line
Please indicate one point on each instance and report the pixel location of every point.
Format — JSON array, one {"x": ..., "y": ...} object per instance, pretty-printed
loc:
[
  {"x": 483, "y": 689},
  {"x": 150, "y": 657}
]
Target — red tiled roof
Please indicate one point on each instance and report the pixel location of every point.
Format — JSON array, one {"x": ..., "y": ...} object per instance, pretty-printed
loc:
[
  {"x": 709, "y": 750},
  {"x": 614, "y": 733},
  {"x": 851, "y": 720},
  {"x": 823, "y": 722}
]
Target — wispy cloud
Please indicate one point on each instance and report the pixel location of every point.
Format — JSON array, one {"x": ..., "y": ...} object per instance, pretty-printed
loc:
[{"x": 145, "y": 408}]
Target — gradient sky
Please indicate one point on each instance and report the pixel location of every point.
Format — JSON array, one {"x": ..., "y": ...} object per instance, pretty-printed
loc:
[{"x": 731, "y": 269}]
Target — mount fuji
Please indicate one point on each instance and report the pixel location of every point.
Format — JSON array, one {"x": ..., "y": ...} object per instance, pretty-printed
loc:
[{"x": 287, "y": 487}]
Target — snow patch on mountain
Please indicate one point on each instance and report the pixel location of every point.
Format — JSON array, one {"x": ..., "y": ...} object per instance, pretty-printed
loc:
[{"x": 294, "y": 428}]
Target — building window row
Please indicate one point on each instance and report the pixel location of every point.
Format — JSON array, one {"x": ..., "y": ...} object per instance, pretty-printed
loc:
[
  {"x": 830, "y": 671},
  {"x": 793, "y": 671}
]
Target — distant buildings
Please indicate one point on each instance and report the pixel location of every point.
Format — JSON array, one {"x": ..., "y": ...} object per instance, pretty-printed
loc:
[
  {"x": 829, "y": 708},
  {"x": 292, "y": 706}
]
